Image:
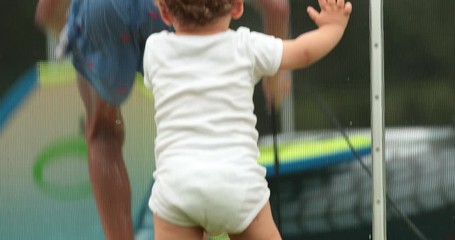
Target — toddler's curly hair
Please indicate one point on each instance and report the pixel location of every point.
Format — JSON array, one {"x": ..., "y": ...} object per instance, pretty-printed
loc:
[{"x": 193, "y": 13}]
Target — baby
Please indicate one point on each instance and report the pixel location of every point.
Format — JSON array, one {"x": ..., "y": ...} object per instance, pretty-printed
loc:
[{"x": 207, "y": 178}]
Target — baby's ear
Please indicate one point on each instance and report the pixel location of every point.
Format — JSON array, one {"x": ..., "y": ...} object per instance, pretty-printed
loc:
[
  {"x": 165, "y": 15},
  {"x": 237, "y": 11}
]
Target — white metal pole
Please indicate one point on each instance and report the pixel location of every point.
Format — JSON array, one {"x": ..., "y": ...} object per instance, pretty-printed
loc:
[{"x": 377, "y": 119}]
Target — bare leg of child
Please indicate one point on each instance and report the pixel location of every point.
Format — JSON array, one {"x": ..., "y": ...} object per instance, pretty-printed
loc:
[
  {"x": 262, "y": 228},
  {"x": 104, "y": 133},
  {"x": 168, "y": 231}
]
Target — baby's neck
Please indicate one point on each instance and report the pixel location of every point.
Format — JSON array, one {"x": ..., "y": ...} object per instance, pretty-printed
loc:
[{"x": 218, "y": 26}]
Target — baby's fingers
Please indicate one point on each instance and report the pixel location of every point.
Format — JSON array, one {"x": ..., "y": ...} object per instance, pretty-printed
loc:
[
  {"x": 312, "y": 13},
  {"x": 347, "y": 9},
  {"x": 340, "y": 3},
  {"x": 322, "y": 4}
]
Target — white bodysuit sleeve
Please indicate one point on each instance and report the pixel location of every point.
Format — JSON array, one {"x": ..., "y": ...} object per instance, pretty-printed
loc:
[
  {"x": 267, "y": 52},
  {"x": 148, "y": 62}
]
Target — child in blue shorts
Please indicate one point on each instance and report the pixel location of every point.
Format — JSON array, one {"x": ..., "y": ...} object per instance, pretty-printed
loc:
[{"x": 106, "y": 39}]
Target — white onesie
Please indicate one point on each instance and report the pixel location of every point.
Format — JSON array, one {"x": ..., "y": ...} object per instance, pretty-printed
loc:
[{"x": 206, "y": 144}]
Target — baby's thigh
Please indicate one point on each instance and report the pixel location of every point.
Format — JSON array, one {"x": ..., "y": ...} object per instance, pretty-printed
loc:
[
  {"x": 169, "y": 231},
  {"x": 261, "y": 228}
]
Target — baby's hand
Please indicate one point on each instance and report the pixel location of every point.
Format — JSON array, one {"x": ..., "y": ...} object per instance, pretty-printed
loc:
[{"x": 334, "y": 12}]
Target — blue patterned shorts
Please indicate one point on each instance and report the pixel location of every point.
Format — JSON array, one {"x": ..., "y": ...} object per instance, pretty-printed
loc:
[{"x": 107, "y": 40}]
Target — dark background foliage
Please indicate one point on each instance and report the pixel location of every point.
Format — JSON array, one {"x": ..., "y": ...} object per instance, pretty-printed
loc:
[{"x": 419, "y": 62}]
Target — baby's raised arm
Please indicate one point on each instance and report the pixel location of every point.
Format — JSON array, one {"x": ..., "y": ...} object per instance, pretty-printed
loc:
[{"x": 311, "y": 46}]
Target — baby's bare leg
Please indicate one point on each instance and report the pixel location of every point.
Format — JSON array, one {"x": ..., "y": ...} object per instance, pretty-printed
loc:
[
  {"x": 262, "y": 228},
  {"x": 168, "y": 231}
]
